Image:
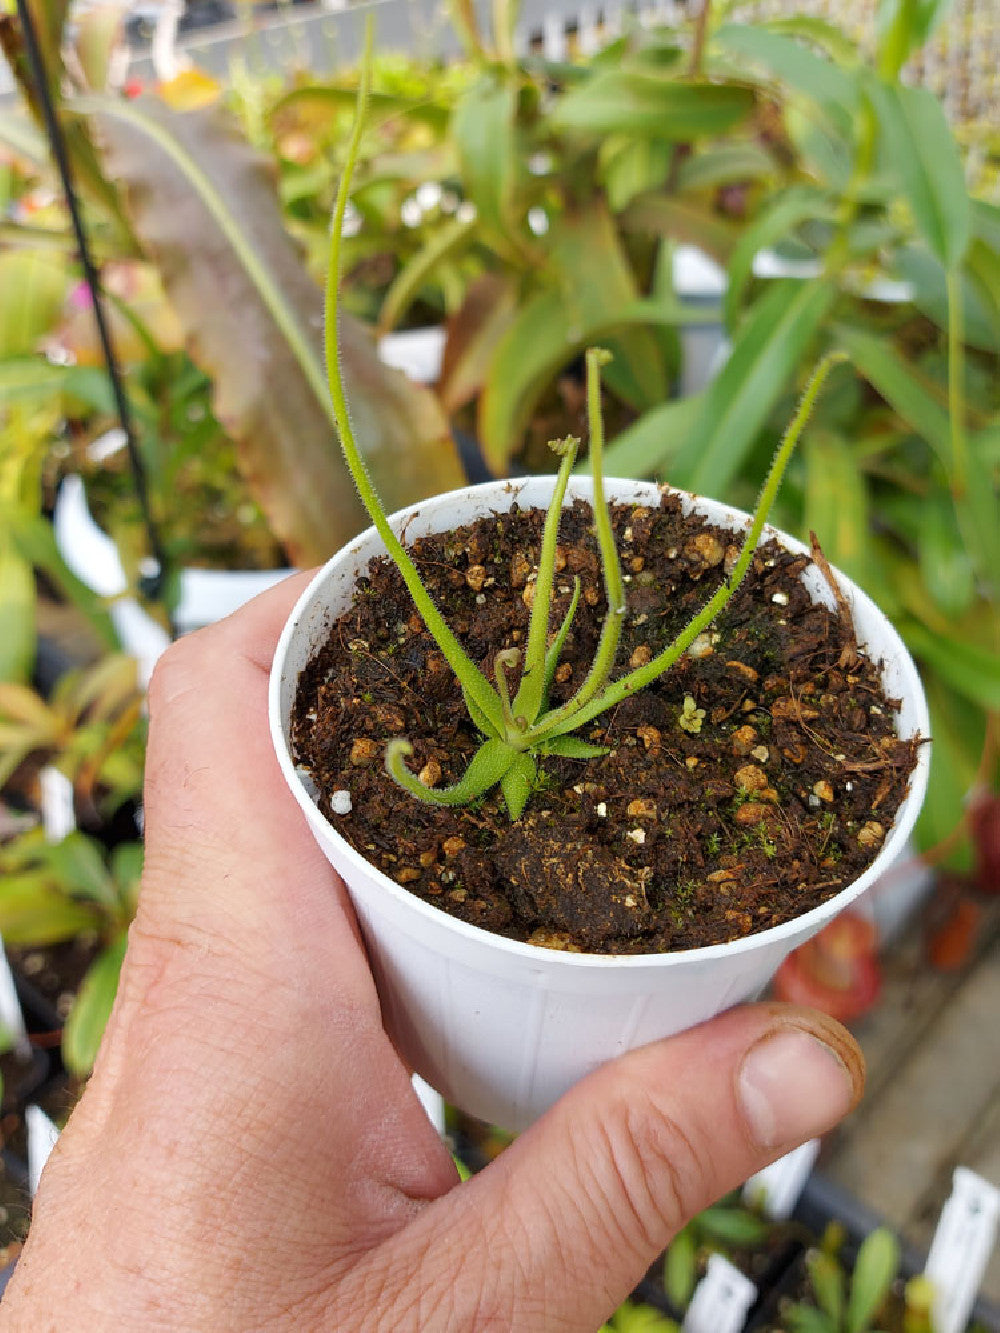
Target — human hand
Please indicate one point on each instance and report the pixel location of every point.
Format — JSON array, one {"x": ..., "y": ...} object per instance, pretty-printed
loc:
[{"x": 249, "y": 1153}]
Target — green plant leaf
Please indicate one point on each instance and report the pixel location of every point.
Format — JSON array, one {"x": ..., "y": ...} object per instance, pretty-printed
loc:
[
  {"x": 805, "y": 1319},
  {"x": 818, "y": 32},
  {"x": 680, "y": 1268},
  {"x": 629, "y": 167},
  {"x": 34, "y": 286},
  {"x": 79, "y": 866},
  {"x": 32, "y": 379},
  {"x": 382, "y": 105},
  {"x": 91, "y": 1010},
  {"x": 947, "y": 572},
  {"x": 874, "y": 1269},
  {"x": 771, "y": 343},
  {"x": 974, "y": 672},
  {"x": 828, "y": 1283},
  {"x": 697, "y": 224},
  {"x": 797, "y": 204},
  {"x": 903, "y": 26},
  {"x": 571, "y": 747},
  {"x": 732, "y": 1226},
  {"x": 790, "y": 61},
  {"x": 924, "y": 152},
  {"x": 899, "y": 384},
  {"x": 35, "y": 911},
  {"x": 978, "y": 512},
  {"x": 205, "y": 206},
  {"x": 727, "y": 164},
  {"x": 518, "y": 782},
  {"x": 17, "y": 615},
  {"x": 99, "y": 34},
  {"x": 643, "y": 103},
  {"x": 980, "y": 317},
  {"x": 648, "y": 446},
  {"x": 836, "y": 507},
  {"x": 554, "y": 324},
  {"x": 957, "y": 731},
  {"x": 450, "y": 239},
  {"x": 24, "y": 137},
  {"x": 484, "y": 130}
]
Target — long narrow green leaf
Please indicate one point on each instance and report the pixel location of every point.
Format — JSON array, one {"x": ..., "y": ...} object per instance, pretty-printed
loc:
[
  {"x": 836, "y": 507},
  {"x": 647, "y": 448},
  {"x": 776, "y": 338},
  {"x": 924, "y": 152},
  {"x": 957, "y": 730},
  {"x": 974, "y": 672},
  {"x": 895, "y": 379},
  {"x": 799, "y": 203}
]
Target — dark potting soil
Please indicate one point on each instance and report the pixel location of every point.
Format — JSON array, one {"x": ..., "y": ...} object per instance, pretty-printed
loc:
[{"x": 753, "y": 781}]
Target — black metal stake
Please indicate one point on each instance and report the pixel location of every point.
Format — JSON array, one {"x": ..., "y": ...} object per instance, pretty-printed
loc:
[{"x": 154, "y": 584}]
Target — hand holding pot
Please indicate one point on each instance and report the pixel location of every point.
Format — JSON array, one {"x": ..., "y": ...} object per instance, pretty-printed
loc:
[{"x": 250, "y": 1154}]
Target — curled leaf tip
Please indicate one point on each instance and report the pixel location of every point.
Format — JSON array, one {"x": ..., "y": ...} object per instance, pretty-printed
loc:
[
  {"x": 395, "y": 752},
  {"x": 599, "y": 356}
]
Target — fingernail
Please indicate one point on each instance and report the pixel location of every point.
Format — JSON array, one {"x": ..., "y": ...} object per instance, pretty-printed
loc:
[{"x": 792, "y": 1087}]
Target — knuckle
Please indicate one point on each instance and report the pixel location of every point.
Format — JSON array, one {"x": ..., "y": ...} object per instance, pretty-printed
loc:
[{"x": 179, "y": 669}]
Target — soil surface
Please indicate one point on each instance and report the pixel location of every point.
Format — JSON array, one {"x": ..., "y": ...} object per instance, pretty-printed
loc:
[{"x": 754, "y": 780}]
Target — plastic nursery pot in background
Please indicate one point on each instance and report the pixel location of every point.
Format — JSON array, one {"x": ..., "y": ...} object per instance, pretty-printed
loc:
[{"x": 500, "y": 1028}]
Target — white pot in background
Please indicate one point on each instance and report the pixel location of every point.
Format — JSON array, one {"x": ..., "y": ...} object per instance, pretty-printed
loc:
[{"x": 503, "y": 1028}]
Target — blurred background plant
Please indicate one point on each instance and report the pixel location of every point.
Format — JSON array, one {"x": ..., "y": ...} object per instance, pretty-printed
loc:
[{"x": 528, "y": 205}]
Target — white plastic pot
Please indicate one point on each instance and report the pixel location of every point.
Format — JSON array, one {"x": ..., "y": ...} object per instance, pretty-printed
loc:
[{"x": 502, "y": 1028}]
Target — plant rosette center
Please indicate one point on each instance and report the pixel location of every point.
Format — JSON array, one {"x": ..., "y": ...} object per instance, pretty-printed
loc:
[{"x": 752, "y": 782}]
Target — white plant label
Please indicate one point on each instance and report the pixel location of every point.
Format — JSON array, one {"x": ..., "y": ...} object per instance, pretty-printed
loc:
[
  {"x": 778, "y": 1187},
  {"x": 42, "y": 1136},
  {"x": 431, "y": 1101},
  {"x": 11, "y": 1018},
  {"x": 721, "y": 1300},
  {"x": 58, "y": 814},
  {"x": 963, "y": 1242}
]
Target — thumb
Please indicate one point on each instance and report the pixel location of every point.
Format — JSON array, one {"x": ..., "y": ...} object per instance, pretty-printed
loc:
[{"x": 568, "y": 1219}]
